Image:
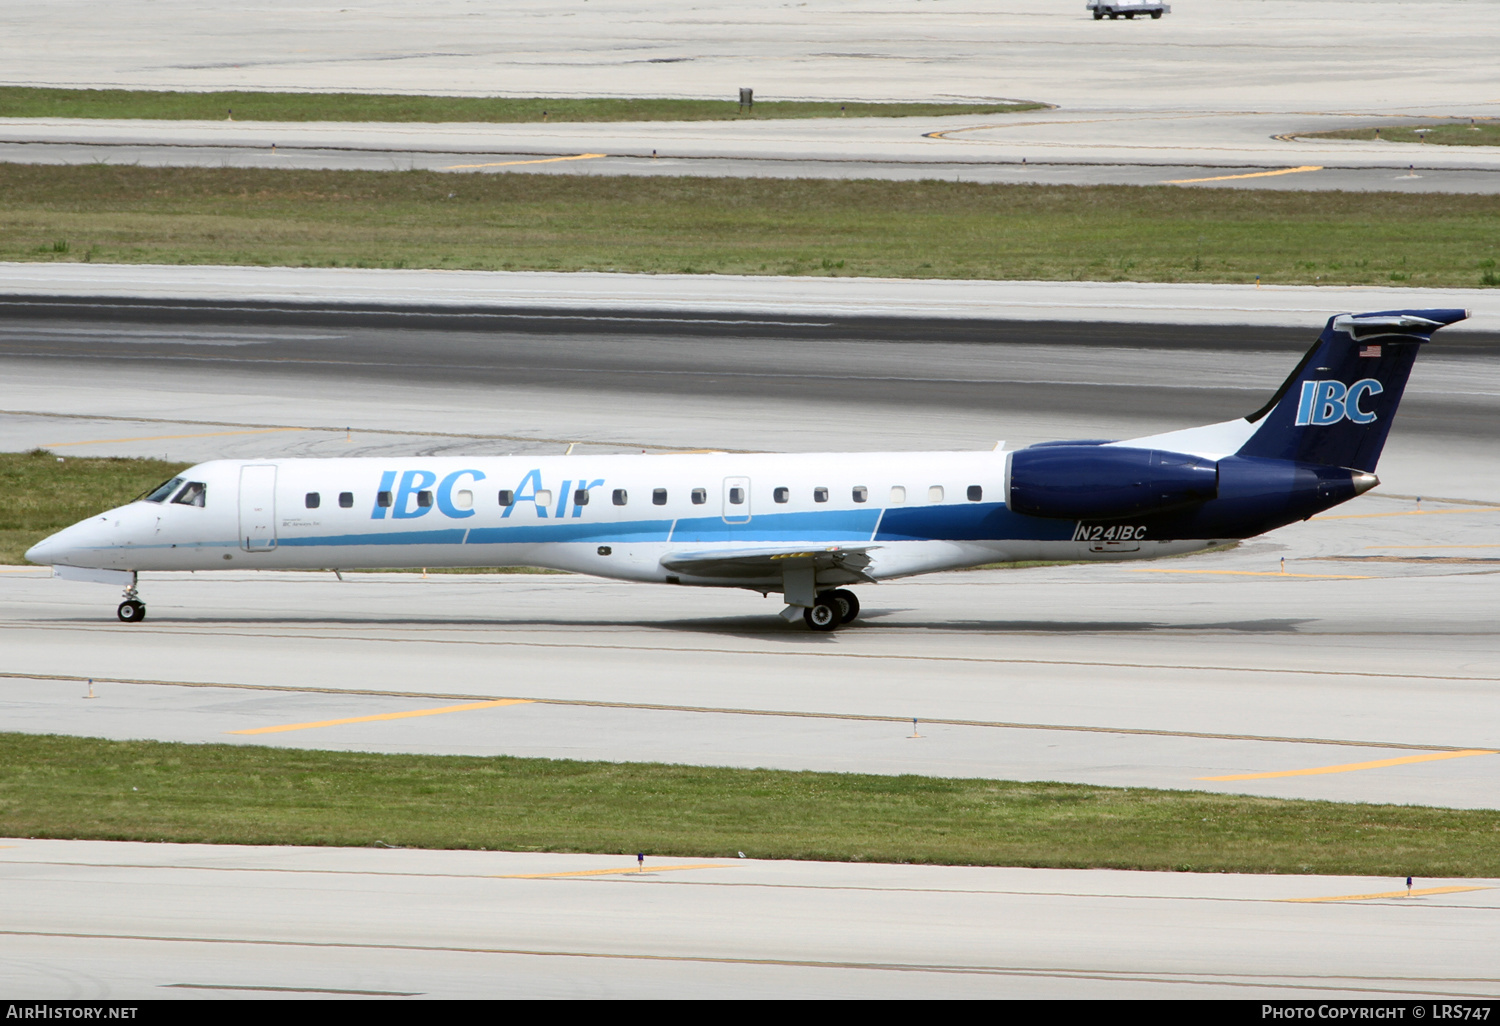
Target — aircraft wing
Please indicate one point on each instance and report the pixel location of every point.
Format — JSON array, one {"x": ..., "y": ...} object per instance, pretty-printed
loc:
[{"x": 761, "y": 563}]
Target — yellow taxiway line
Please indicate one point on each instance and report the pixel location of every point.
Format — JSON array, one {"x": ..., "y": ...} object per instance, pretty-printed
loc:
[
  {"x": 1392, "y": 894},
  {"x": 1350, "y": 767},
  {"x": 385, "y": 716},
  {"x": 630, "y": 870},
  {"x": 158, "y": 438},
  {"x": 1255, "y": 174},
  {"x": 1250, "y": 573},
  {"x": 513, "y": 163}
]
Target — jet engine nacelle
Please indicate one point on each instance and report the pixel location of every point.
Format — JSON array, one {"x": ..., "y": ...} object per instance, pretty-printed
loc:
[{"x": 1103, "y": 482}]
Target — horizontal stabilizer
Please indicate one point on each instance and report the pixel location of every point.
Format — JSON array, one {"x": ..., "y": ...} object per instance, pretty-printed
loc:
[{"x": 1421, "y": 323}]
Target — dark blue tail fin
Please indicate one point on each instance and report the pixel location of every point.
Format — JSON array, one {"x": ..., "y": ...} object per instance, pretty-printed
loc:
[{"x": 1337, "y": 406}]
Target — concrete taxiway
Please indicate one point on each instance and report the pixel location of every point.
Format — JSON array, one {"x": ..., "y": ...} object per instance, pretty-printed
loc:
[{"x": 109, "y": 920}]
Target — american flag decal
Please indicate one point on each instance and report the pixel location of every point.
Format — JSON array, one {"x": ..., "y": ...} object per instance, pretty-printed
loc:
[{"x": 1373, "y": 350}]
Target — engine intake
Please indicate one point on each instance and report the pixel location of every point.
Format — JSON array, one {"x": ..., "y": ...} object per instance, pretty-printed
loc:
[{"x": 1098, "y": 482}]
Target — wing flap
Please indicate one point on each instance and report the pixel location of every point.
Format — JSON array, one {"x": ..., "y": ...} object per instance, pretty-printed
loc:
[{"x": 755, "y": 564}]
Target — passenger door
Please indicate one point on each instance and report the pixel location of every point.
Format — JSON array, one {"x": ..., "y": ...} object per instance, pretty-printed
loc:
[{"x": 258, "y": 508}]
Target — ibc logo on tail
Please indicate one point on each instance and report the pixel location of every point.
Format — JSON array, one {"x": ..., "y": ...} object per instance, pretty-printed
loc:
[{"x": 1328, "y": 402}]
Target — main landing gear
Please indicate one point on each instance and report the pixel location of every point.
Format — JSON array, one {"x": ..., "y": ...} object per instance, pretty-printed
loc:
[
  {"x": 832, "y": 610},
  {"x": 132, "y": 610}
]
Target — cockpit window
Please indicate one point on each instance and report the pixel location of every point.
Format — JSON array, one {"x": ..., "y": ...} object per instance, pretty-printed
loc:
[
  {"x": 193, "y": 495},
  {"x": 162, "y": 492}
]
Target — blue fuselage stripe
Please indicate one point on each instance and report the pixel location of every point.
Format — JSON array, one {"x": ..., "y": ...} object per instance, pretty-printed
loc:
[{"x": 980, "y": 521}]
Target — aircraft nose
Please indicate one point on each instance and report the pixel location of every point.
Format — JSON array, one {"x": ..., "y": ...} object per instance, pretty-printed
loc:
[
  {"x": 78, "y": 545},
  {"x": 44, "y": 552}
]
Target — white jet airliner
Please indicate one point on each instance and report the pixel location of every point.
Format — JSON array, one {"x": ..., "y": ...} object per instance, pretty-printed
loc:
[{"x": 808, "y": 525}]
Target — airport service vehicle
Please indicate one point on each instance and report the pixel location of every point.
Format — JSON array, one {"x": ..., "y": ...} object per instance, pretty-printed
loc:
[
  {"x": 1126, "y": 8},
  {"x": 808, "y": 526}
]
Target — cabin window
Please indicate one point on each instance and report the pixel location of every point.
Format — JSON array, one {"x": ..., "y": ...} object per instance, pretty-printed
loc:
[
  {"x": 860, "y": 493},
  {"x": 620, "y": 497},
  {"x": 382, "y": 498},
  {"x": 898, "y": 495},
  {"x": 424, "y": 499},
  {"x": 736, "y": 496},
  {"x": 162, "y": 492},
  {"x": 782, "y": 494},
  {"x": 544, "y": 499},
  {"x": 935, "y": 493},
  {"x": 580, "y": 496},
  {"x": 700, "y": 496},
  {"x": 312, "y": 500},
  {"x": 820, "y": 495},
  {"x": 463, "y": 499},
  {"x": 193, "y": 495},
  {"x": 507, "y": 497},
  {"x": 976, "y": 493},
  {"x": 346, "y": 500},
  {"x": 659, "y": 497}
]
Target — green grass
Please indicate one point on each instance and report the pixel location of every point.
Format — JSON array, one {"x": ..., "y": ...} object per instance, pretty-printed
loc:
[
  {"x": 43, "y": 495},
  {"x": 929, "y": 229},
  {"x": 1456, "y": 133},
  {"x": 28, "y": 102},
  {"x": 225, "y": 794}
]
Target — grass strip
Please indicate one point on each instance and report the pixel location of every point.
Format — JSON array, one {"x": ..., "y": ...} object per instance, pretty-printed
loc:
[
  {"x": 927, "y": 229},
  {"x": 1456, "y": 133},
  {"x": 69, "y": 787},
  {"x": 44, "y": 494},
  {"x": 31, "y": 102}
]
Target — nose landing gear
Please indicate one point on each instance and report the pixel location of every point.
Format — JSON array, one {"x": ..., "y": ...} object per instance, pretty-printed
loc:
[{"x": 132, "y": 610}]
